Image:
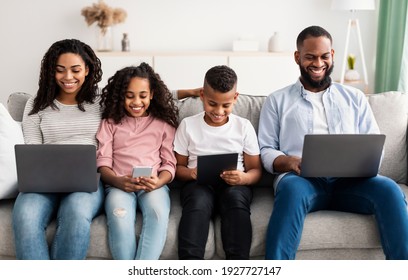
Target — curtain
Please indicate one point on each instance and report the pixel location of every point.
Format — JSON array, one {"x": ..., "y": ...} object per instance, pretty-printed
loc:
[
  {"x": 403, "y": 80},
  {"x": 390, "y": 44}
]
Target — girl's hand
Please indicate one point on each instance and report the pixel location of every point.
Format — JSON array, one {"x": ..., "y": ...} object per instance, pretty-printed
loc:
[
  {"x": 234, "y": 177},
  {"x": 150, "y": 183},
  {"x": 129, "y": 184}
]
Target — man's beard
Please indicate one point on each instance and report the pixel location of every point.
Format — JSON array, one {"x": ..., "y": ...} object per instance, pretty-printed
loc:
[{"x": 322, "y": 84}]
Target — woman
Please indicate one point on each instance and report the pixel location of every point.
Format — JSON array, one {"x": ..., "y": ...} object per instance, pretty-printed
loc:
[{"x": 65, "y": 110}]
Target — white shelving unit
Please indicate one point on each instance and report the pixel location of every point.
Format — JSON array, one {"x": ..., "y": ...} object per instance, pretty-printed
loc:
[{"x": 259, "y": 73}]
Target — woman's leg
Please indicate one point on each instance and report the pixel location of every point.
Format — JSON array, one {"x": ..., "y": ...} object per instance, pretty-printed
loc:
[
  {"x": 198, "y": 206},
  {"x": 120, "y": 208},
  {"x": 155, "y": 207},
  {"x": 74, "y": 218},
  {"x": 236, "y": 228},
  {"x": 32, "y": 213}
]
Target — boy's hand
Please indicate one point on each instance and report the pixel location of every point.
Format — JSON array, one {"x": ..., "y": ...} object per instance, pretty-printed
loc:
[
  {"x": 234, "y": 177},
  {"x": 194, "y": 173}
]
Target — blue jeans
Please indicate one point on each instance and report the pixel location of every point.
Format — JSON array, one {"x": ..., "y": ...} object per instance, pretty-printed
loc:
[
  {"x": 297, "y": 196},
  {"x": 120, "y": 208},
  {"x": 74, "y": 212}
]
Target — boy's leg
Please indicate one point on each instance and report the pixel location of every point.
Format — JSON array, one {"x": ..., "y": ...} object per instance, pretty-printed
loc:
[
  {"x": 155, "y": 207},
  {"x": 236, "y": 229},
  {"x": 198, "y": 206}
]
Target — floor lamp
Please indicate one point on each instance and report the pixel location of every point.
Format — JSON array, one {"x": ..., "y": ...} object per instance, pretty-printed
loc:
[{"x": 352, "y": 6}]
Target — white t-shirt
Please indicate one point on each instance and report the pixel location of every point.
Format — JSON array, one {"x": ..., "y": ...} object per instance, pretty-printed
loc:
[
  {"x": 319, "y": 115},
  {"x": 195, "y": 137}
]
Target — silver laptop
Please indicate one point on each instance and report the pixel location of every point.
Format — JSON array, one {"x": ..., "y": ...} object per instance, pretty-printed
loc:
[
  {"x": 209, "y": 167},
  {"x": 342, "y": 155},
  {"x": 56, "y": 168}
]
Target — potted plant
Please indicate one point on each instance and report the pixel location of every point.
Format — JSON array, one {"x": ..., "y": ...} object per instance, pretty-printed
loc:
[{"x": 351, "y": 74}]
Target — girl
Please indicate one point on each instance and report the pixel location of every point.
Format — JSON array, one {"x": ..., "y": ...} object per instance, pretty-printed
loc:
[
  {"x": 65, "y": 110},
  {"x": 139, "y": 120}
]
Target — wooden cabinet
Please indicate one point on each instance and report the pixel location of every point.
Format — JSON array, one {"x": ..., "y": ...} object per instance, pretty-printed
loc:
[{"x": 259, "y": 73}]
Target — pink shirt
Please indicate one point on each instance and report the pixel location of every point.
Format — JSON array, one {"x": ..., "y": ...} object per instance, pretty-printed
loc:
[{"x": 139, "y": 141}]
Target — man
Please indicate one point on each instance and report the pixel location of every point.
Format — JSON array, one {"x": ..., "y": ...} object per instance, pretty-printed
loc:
[{"x": 316, "y": 105}]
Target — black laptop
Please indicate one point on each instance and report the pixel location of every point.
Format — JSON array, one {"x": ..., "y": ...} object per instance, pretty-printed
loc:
[{"x": 49, "y": 168}]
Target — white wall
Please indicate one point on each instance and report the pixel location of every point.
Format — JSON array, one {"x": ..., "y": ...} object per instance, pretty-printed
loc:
[{"x": 28, "y": 28}]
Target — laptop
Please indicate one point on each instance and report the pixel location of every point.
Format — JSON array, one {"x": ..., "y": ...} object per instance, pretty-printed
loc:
[
  {"x": 342, "y": 155},
  {"x": 209, "y": 167},
  {"x": 50, "y": 168}
]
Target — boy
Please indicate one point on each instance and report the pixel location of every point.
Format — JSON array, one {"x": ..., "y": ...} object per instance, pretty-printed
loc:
[{"x": 217, "y": 131}]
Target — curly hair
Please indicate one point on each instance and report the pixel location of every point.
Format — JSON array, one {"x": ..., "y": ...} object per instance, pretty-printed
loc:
[
  {"x": 162, "y": 105},
  {"x": 48, "y": 88},
  {"x": 221, "y": 78}
]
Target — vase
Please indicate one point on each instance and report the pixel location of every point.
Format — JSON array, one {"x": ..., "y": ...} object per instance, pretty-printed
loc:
[
  {"x": 352, "y": 75},
  {"x": 105, "y": 39},
  {"x": 275, "y": 44}
]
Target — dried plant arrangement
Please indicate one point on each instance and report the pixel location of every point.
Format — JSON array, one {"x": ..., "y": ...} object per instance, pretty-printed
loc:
[{"x": 103, "y": 15}]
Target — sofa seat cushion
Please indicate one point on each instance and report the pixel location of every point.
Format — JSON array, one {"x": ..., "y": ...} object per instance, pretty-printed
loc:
[{"x": 7, "y": 250}]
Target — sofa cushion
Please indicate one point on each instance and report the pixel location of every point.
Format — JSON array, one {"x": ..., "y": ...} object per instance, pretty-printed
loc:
[
  {"x": 16, "y": 103},
  {"x": 10, "y": 134},
  {"x": 390, "y": 110},
  {"x": 247, "y": 106}
]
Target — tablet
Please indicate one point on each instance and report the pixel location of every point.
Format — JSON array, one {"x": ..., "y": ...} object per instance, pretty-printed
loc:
[{"x": 209, "y": 167}]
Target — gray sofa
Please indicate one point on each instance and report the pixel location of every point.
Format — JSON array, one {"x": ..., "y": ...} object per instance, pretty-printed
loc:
[{"x": 326, "y": 234}]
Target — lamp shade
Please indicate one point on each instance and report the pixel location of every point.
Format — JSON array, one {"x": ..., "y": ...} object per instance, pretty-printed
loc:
[{"x": 353, "y": 5}]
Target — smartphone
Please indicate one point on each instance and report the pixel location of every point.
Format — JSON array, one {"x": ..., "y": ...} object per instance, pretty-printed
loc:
[{"x": 139, "y": 171}]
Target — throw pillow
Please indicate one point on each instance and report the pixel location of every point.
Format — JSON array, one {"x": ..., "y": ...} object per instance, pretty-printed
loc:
[{"x": 10, "y": 134}]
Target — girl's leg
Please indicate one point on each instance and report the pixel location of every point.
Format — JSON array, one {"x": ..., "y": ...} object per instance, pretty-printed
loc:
[
  {"x": 155, "y": 207},
  {"x": 120, "y": 208}
]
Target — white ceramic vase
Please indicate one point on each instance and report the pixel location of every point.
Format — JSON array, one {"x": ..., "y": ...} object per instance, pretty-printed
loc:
[
  {"x": 275, "y": 43},
  {"x": 352, "y": 75}
]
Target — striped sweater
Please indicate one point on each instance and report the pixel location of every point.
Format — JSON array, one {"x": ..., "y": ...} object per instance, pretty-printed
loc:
[{"x": 68, "y": 125}]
